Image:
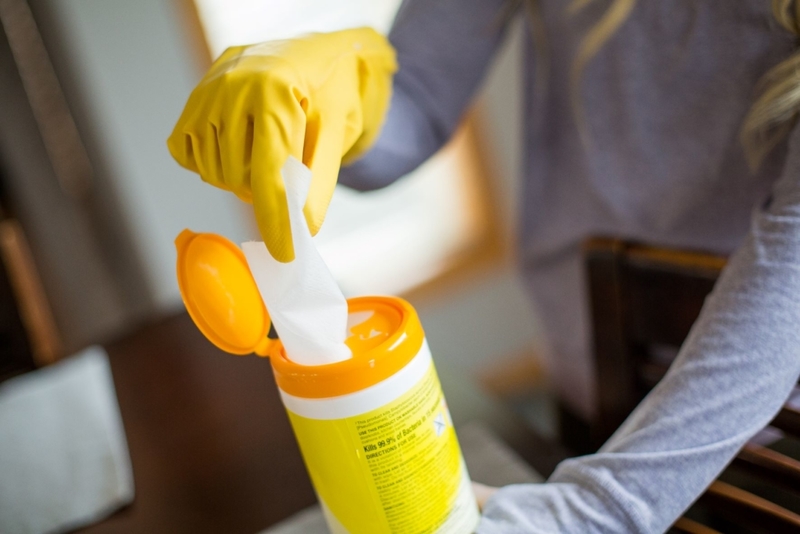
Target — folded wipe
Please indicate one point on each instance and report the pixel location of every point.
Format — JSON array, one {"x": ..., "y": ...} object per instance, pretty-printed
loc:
[{"x": 307, "y": 308}]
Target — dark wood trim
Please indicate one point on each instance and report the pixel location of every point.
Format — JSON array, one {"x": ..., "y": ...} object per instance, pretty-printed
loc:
[
  {"x": 788, "y": 420},
  {"x": 742, "y": 506},
  {"x": 615, "y": 364},
  {"x": 690, "y": 526},
  {"x": 34, "y": 309}
]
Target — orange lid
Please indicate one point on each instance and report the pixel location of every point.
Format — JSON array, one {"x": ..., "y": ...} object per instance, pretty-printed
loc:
[
  {"x": 221, "y": 295},
  {"x": 383, "y": 342}
]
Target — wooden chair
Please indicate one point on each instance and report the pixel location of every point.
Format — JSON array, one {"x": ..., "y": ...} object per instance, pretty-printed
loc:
[{"x": 644, "y": 300}]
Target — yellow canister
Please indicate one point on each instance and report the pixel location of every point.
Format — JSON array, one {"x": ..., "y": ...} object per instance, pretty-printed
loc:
[{"x": 374, "y": 430}]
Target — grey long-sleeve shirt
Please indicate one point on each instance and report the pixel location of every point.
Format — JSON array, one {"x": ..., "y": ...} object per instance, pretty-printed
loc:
[{"x": 664, "y": 101}]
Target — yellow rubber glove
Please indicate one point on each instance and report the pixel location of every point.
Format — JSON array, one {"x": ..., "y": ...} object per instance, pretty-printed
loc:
[{"x": 321, "y": 98}]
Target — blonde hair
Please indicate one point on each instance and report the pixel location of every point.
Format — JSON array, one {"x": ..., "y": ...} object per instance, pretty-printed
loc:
[{"x": 775, "y": 109}]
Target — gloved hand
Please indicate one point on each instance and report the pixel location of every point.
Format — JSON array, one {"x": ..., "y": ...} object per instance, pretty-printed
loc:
[{"x": 321, "y": 98}]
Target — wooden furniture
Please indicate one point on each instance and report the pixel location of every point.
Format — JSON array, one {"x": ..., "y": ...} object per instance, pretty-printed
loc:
[
  {"x": 16, "y": 356},
  {"x": 42, "y": 339},
  {"x": 28, "y": 335},
  {"x": 644, "y": 300},
  {"x": 211, "y": 446},
  {"x": 92, "y": 274}
]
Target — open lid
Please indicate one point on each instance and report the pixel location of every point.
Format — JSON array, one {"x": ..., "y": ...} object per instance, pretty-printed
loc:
[{"x": 221, "y": 295}]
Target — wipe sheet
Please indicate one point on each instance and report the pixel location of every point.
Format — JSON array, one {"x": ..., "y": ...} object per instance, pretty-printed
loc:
[{"x": 307, "y": 308}]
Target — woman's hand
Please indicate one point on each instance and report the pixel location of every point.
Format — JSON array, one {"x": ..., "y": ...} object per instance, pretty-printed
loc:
[
  {"x": 482, "y": 493},
  {"x": 319, "y": 98}
]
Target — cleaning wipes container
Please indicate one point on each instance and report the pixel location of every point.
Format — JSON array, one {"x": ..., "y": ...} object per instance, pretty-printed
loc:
[{"x": 374, "y": 429}]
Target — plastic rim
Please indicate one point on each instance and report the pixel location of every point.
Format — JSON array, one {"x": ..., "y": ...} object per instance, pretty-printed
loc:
[{"x": 368, "y": 366}]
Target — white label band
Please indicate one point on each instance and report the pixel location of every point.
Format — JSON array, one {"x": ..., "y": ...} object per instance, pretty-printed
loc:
[{"x": 367, "y": 399}]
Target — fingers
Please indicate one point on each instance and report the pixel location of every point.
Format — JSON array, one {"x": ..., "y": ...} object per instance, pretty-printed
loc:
[
  {"x": 272, "y": 211},
  {"x": 180, "y": 144},
  {"x": 203, "y": 145},
  {"x": 198, "y": 143},
  {"x": 375, "y": 98},
  {"x": 236, "y": 137},
  {"x": 325, "y": 139},
  {"x": 194, "y": 143},
  {"x": 237, "y": 132},
  {"x": 272, "y": 140},
  {"x": 211, "y": 157},
  {"x": 181, "y": 148},
  {"x": 482, "y": 493}
]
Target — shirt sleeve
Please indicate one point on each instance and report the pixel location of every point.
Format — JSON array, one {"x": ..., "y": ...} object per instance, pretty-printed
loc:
[
  {"x": 732, "y": 375},
  {"x": 443, "y": 49}
]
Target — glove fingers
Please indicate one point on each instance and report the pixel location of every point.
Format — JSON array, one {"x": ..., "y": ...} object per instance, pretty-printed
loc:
[
  {"x": 375, "y": 97},
  {"x": 182, "y": 148},
  {"x": 211, "y": 158},
  {"x": 269, "y": 193},
  {"x": 188, "y": 141},
  {"x": 325, "y": 140},
  {"x": 181, "y": 144},
  {"x": 236, "y": 138},
  {"x": 198, "y": 150}
]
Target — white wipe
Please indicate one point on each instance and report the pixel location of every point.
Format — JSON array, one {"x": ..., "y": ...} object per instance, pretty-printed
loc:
[{"x": 307, "y": 308}]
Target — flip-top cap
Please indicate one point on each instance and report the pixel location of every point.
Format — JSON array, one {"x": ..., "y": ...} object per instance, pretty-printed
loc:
[{"x": 221, "y": 295}]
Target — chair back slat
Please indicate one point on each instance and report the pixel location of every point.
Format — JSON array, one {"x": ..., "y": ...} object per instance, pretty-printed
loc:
[
  {"x": 788, "y": 420},
  {"x": 748, "y": 509},
  {"x": 770, "y": 465}
]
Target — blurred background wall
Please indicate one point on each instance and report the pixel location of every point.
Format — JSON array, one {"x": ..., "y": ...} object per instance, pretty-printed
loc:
[{"x": 127, "y": 69}]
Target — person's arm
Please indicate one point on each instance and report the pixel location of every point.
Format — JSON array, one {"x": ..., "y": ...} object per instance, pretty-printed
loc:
[
  {"x": 733, "y": 373},
  {"x": 443, "y": 49}
]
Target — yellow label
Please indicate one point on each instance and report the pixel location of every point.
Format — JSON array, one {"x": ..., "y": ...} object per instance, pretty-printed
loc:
[{"x": 395, "y": 469}]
